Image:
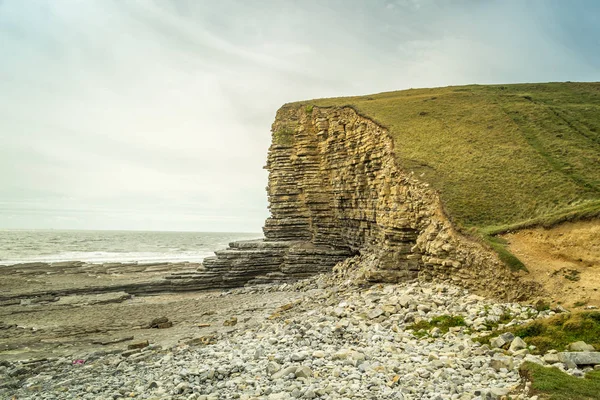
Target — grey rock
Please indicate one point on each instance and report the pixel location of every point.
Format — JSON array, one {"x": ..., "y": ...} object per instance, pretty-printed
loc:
[
  {"x": 499, "y": 362},
  {"x": 303, "y": 372},
  {"x": 551, "y": 358},
  {"x": 498, "y": 393},
  {"x": 376, "y": 312},
  {"x": 285, "y": 372},
  {"x": 273, "y": 367},
  {"x": 404, "y": 301},
  {"x": 502, "y": 340},
  {"x": 517, "y": 344},
  {"x": 301, "y": 356},
  {"x": 580, "y": 358}
]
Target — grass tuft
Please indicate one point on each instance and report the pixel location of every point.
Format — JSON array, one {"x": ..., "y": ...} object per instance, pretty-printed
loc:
[
  {"x": 557, "y": 332},
  {"x": 443, "y": 322},
  {"x": 499, "y": 246},
  {"x": 554, "y": 384}
]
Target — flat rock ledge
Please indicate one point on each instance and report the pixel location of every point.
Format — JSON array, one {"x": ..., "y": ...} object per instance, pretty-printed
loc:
[{"x": 252, "y": 262}]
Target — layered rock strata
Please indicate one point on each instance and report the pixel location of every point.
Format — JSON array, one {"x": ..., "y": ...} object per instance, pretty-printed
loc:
[
  {"x": 264, "y": 261},
  {"x": 335, "y": 191}
]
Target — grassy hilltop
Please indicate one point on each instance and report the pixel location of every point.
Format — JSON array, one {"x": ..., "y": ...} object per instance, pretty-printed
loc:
[{"x": 501, "y": 156}]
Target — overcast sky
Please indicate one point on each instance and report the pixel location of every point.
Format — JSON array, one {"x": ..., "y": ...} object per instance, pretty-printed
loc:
[{"x": 156, "y": 115}]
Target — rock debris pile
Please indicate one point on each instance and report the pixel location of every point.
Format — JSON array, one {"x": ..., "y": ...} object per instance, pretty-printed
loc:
[{"x": 335, "y": 343}]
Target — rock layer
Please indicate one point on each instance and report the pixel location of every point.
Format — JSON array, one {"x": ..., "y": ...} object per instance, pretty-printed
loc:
[{"x": 335, "y": 191}]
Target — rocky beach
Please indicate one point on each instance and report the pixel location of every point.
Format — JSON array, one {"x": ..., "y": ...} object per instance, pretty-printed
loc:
[{"x": 321, "y": 337}]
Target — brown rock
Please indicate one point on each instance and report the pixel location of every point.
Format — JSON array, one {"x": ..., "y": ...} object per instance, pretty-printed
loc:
[
  {"x": 138, "y": 345},
  {"x": 158, "y": 321},
  {"x": 202, "y": 340}
]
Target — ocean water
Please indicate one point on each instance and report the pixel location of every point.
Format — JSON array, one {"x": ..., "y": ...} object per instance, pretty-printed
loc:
[{"x": 20, "y": 246}]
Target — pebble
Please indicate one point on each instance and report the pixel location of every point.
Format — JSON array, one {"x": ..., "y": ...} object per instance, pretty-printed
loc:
[{"x": 340, "y": 342}]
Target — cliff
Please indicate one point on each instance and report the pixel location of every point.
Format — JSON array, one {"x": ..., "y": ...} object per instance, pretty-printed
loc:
[
  {"x": 336, "y": 191},
  {"x": 384, "y": 187}
]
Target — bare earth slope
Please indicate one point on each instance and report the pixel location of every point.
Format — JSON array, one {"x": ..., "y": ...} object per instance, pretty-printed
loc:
[{"x": 564, "y": 259}]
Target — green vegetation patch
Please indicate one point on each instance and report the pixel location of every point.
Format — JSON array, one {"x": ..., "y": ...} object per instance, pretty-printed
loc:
[
  {"x": 284, "y": 136},
  {"x": 443, "y": 322},
  {"x": 557, "y": 332},
  {"x": 554, "y": 384},
  {"x": 499, "y": 246},
  {"x": 499, "y": 155}
]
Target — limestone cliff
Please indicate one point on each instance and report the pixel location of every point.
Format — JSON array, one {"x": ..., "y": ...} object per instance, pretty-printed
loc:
[{"x": 335, "y": 191}]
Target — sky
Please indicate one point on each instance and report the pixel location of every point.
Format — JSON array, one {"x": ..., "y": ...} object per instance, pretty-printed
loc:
[{"x": 156, "y": 114}]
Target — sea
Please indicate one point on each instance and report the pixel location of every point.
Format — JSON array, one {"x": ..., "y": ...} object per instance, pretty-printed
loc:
[{"x": 25, "y": 246}]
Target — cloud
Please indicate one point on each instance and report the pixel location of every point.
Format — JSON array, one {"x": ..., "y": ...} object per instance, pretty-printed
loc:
[{"x": 156, "y": 114}]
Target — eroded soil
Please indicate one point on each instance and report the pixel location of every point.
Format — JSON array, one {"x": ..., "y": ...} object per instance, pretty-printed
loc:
[{"x": 564, "y": 259}]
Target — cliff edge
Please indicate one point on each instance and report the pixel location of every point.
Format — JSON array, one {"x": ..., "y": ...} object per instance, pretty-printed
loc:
[{"x": 413, "y": 184}]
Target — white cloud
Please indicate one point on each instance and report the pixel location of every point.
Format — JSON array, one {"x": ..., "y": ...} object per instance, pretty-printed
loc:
[{"x": 156, "y": 115}]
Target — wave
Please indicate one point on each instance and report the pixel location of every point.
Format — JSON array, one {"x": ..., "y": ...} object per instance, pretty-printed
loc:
[{"x": 99, "y": 257}]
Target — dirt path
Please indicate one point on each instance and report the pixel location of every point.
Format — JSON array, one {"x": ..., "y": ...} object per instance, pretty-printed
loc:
[{"x": 564, "y": 259}]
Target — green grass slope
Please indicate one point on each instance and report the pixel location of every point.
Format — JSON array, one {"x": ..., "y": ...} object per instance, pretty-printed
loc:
[{"x": 501, "y": 156}]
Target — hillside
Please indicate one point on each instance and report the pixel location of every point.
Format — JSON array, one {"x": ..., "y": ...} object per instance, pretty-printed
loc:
[{"x": 499, "y": 155}]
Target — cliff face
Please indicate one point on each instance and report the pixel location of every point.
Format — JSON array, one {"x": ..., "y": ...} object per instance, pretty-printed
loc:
[{"x": 335, "y": 192}]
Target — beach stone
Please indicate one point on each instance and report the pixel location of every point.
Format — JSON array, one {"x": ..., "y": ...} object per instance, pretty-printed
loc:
[
  {"x": 534, "y": 359},
  {"x": 499, "y": 362},
  {"x": 301, "y": 356},
  {"x": 285, "y": 372},
  {"x": 128, "y": 353},
  {"x": 517, "y": 344},
  {"x": 138, "y": 345},
  {"x": 580, "y": 346},
  {"x": 502, "y": 340},
  {"x": 273, "y": 367},
  {"x": 303, "y": 372},
  {"x": 551, "y": 358},
  {"x": 498, "y": 393},
  {"x": 183, "y": 388},
  {"x": 580, "y": 358},
  {"x": 404, "y": 301},
  {"x": 158, "y": 321},
  {"x": 376, "y": 312}
]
